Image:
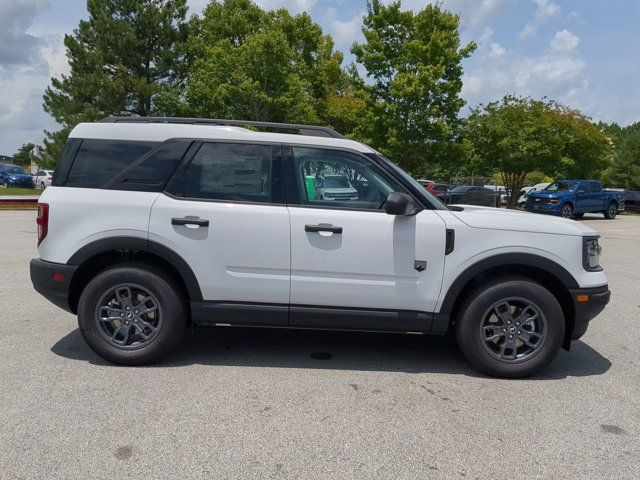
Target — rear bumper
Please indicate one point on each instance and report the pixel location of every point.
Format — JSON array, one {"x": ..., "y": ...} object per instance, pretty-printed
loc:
[
  {"x": 52, "y": 281},
  {"x": 588, "y": 303}
]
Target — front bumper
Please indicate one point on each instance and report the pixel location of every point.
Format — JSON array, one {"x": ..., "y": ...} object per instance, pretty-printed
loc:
[
  {"x": 52, "y": 281},
  {"x": 587, "y": 303},
  {"x": 549, "y": 208}
]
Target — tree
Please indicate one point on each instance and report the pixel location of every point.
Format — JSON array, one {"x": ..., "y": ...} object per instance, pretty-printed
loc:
[
  {"x": 247, "y": 63},
  {"x": 23, "y": 155},
  {"x": 120, "y": 59},
  {"x": 624, "y": 170},
  {"x": 516, "y": 136},
  {"x": 414, "y": 60}
]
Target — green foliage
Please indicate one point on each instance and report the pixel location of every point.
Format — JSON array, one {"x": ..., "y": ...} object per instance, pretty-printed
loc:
[
  {"x": 516, "y": 136},
  {"x": 624, "y": 169},
  {"x": 120, "y": 59},
  {"x": 23, "y": 155},
  {"x": 246, "y": 63},
  {"x": 414, "y": 60}
]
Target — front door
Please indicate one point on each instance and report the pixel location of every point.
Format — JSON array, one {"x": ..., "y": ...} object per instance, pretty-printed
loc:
[
  {"x": 228, "y": 220},
  {"x": 347, "y": 252}
]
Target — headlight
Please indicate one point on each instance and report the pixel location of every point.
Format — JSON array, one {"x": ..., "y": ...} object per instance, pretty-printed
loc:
[{"x": 591, "y": 250}]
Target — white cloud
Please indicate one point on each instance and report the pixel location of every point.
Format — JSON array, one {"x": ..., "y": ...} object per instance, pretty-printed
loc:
[
  {"x": 564, "y": 42},
  {"x": 344, "y": 33},
  {"x": 558, "y": 72},
  {"x": 545, "y": 10},
  {"x": 294, "y": 6}
]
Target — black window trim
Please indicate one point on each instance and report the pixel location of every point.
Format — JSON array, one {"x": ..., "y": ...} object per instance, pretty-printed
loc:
[{"x": 172, "y": 188}]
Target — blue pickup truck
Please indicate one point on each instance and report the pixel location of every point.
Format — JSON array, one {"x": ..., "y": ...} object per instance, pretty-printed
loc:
[{"x": 574, "y": 198}]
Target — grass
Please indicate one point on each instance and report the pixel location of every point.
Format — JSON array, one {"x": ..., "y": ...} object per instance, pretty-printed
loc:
[
  {"x": 19, "y": 191},
  {"x": 18, "y": 207}
]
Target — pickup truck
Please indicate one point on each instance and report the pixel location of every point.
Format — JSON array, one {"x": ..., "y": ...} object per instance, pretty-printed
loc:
[{"x": 574, "y": 198}]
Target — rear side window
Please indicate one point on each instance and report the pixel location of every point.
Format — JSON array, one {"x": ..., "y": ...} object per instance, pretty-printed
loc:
[
  {"x": 99, "y": 161},
  {"x": 232, "y": 172}
]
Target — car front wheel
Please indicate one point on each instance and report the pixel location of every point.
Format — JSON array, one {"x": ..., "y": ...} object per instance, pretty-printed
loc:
[
  {"x": 131, "y": 314},
  {"x": 567, "y": 211},
  {"x": 611, "y": 211},
  {"x": 513, "y": 327}
]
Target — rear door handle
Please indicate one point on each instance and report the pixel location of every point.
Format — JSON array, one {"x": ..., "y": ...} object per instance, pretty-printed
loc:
[
  {"x": 322, "y": 228},
  {"x": 190, "y": 222}
]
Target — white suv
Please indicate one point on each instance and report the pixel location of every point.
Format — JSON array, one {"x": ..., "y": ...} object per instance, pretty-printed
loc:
[{"x": 154, "y": 224}]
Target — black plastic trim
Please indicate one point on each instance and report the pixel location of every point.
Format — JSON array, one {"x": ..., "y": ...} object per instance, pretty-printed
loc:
[
  {"x": 450, "y": 241},
  {"x": 586, "y": 311},
  {"x": 239, "y": 313},
  {"x": 310, "y": 130},
  {"x": 507, "y": 260},
  {"x": 57, "y": 292},
  {"x": 133, "y": 243}
]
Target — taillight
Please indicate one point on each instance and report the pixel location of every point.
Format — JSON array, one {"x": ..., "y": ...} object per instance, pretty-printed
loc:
[{"x": 42, "y": 221}]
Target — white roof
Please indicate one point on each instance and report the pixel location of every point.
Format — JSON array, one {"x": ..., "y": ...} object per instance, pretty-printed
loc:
[{"x": 159, "y": 132}]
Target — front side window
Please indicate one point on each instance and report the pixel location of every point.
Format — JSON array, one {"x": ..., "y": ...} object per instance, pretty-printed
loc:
[
  {"x": 333, "y": 178},
  {"x": 561, "y": 186},
  {"x": 230, "y": 171}
]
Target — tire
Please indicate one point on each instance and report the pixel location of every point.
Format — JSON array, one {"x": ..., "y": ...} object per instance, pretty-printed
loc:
[
  {"x": 478, "y": 311},
  {"x": 578, "y": 215},
  {"x": 42, "y": 186},
  {"x": 611, "y": 211},
  {"x": 153, "y": 335},
  {"x": 567, "y": 210}
]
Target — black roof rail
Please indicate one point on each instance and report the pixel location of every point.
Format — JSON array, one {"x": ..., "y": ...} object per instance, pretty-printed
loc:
[{"x": 311, "y": 130}]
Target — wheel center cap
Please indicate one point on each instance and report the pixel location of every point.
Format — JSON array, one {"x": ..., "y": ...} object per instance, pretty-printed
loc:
[
  {"x": 129, "y": 316},
  {"x": 512, "y": 329}
]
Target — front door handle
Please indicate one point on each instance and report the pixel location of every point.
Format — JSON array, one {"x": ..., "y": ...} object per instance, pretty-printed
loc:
[
  {"x": 322, "y": 228},
  {"x": 190, "y": 222}
]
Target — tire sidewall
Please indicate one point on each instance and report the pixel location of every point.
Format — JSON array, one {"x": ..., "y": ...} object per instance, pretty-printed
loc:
[
  {"x": 610, "y": 213},
  {"x": 564, "y": 207},
  {"x": 472, "y": 344},
  {"x": 171, "y": 305}
]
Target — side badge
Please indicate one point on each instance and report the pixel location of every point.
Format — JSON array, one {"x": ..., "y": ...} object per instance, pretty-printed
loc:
[{"x": 420, "y": 265}]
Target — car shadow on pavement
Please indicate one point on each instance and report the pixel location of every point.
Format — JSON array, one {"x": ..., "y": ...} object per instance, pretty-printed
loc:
[{"x": 281, "y": 348}]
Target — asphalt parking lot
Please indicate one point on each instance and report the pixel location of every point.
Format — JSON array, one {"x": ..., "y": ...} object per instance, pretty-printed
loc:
[{"x": 257, "y": 404}]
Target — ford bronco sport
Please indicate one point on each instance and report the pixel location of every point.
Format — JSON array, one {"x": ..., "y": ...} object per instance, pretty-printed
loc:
[{"x": 154, "y": 224}]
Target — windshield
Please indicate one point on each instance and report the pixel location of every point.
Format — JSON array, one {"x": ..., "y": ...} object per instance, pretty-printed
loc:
[
  {"x": 15, "y": 170},
  {"x": 561, "y": 186},
  {"x": 428, "y": 196},
  {"x": 460, "y": 189},
  {"x": 336, "y": 182}
]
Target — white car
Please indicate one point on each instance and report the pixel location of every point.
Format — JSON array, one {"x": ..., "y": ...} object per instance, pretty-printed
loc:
[
  {"x": 336, "y": 187},
  {"x": 522, "y": 199},
  {"x": 42, "y": 178},
  {"x": 152, "y": 225}
]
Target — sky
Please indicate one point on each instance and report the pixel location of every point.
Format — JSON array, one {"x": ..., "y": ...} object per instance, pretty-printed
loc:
[{"x": 583, "y": 53}]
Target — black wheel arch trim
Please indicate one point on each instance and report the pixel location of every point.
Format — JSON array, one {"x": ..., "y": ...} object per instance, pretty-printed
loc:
[
  {"x": 140, "y": 244},
  {"x": 503, "y": 260}
]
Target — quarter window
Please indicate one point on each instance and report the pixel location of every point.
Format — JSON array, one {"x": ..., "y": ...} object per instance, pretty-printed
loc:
[
  {"x": 230, "y": 171},
  {"x": 333, "y": 178}
]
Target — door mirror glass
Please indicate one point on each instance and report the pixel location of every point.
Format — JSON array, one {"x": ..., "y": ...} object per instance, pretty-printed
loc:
[{"x": 399, "y": 204}]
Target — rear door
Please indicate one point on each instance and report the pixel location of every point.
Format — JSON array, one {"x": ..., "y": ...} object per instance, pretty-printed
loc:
[
  {"x": 350, "y": 254},
  {"x": 226, "y": 216}
]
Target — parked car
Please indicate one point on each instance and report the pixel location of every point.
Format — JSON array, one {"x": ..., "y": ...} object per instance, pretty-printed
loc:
[
  {"x": 632, "y": 200},
  {"x": 522, "y": 199},
  {"x": 15, "y": 176},
  {"x": 336, "y": 187},
  {"x": 574, "y": 198},
  {"x": 501, "y": 190},
  {"x": 424, "y": 183},
  {"x": 42, "y": 178},
  {"x": 438, "y": 188},
  {"x": 172, "y": 223},
  {"x": 469, "y": 195}
]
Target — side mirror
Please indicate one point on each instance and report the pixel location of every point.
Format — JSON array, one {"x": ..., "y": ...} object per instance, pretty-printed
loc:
[{"x": 399, "y": 203}]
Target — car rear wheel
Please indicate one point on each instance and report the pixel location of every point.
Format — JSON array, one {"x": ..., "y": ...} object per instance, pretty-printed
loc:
[
  {"x": 131, "y": 314},
  {"x": 611, "y": 211},
  {"x": 567, "y": 210},
  {"x": 513, "y": 327}
]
